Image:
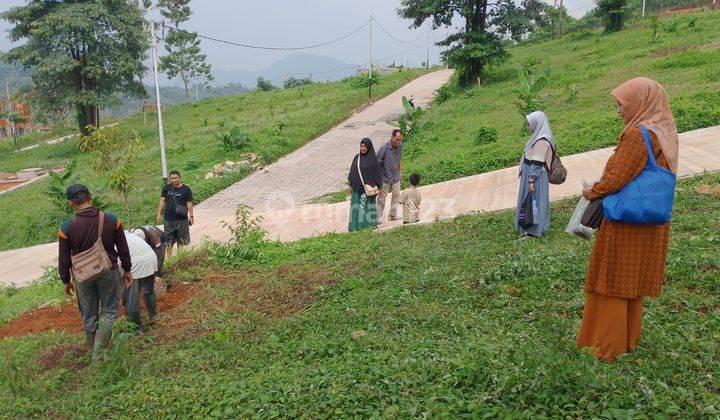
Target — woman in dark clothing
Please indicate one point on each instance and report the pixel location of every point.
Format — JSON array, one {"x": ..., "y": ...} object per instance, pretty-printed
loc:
[{"x": 363, "y": 213}]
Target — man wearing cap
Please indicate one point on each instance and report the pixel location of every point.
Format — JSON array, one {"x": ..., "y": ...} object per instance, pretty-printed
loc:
[{"x": 97, "y": 298}]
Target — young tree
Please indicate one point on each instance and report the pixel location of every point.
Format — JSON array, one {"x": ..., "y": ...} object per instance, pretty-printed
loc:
[
  {"x": 612, "y": 13},
  {"x": 114, "y": 155},
  {"x": 184, "y": 58},
  {"x": 474, "y": 48},
  {"x": 90, "y": 52}
]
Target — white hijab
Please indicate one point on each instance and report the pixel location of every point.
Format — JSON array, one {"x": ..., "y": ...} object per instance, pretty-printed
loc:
[{"x": 540, "y": 128}]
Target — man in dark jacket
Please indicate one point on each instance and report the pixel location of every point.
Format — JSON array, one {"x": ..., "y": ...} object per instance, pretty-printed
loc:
[{"x": 98, "y": 298}]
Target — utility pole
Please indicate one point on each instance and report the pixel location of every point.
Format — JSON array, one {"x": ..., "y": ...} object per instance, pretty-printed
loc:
[
  {"x": 11, "y": 117},
  {"x": 161, "y": 130},
  {"x": 370, "y": 62},
  {"x": 560, "y": 17},
  {"x": 427, "y": 55},
  {"x": 643, "y": 12},
  {"x": 197, "y": 97}
]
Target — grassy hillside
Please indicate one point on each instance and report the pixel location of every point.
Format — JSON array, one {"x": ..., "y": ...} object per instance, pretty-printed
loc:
[
  {"x": 454, "y": 319},
  {"x": 686, "y": 60},
  {"x": 276, "y": 122}
]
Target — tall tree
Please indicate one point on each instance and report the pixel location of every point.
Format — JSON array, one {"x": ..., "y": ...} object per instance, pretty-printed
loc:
[
  {"x": 184, "y": 58},
  {"x": 471, "y": 50},
  {"x": 612, "y": 13},
  {"x": 88, "y": 51}
]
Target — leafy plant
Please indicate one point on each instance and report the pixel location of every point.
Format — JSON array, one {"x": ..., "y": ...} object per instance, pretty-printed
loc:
[
  {"x": 363, "y": 80},
  {"x": 485, "y": 135},
  {"x": 58, "y": 184},
  {"x": 613, "y": 14},
  {"x": 192, "y": 164},
  {"x": 655, "y": 26},
  {"x": 292, "y": 82},
  {"x": 233, "y": 139},
  {"x": 529, "y": 91},
  {"x": 247, "y": 238},
  {"x": 264, "y": 84},
  {"x": 409, "y": 121},
  {"x": 114, "y": 155},
  {"x": 572, "y": 92}
]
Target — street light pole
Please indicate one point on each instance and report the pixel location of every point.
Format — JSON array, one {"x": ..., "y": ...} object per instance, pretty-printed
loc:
[
  {"x": 370, "y": 62},
  {"x": 161, "y": 129}
]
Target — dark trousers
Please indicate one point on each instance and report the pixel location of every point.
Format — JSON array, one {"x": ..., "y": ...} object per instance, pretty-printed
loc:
[{"x": 132, "y": 298}]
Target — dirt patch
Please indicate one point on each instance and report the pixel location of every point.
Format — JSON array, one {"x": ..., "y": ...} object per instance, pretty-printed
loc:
[
  {"x": 6, "y": 185},
  {"x": 57, "y": 357},
  {"x": 67, "y": 317},
  {"x": 270, "y": 300},
  {"x": 708, "y": 190},
  {"x": 672, "y": 50}
]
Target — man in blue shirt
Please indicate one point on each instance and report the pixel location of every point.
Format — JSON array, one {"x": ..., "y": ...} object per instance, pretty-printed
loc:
[{"x": 389, "y": 156}]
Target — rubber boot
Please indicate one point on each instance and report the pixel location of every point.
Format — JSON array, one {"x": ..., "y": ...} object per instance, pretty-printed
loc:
[
  {"x": 151, "y": 305},
  {"x": 102, "y": 340},
  {"x": 89, "y": 341},
  {"x": 135, "y": 318}
]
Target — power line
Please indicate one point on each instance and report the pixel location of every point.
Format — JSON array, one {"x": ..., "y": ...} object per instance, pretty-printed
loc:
[
  {"x": 261, "y": 47},
  {"x": 395, "y": 38}
]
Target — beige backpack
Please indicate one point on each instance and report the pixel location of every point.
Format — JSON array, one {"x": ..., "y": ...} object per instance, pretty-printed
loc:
[{"x": 94, "y": 262}]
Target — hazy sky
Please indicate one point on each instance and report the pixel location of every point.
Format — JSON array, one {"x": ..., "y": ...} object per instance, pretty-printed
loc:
[{"x": 300, "y": 22}]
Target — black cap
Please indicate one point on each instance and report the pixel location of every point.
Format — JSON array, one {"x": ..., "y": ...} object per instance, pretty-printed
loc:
[{"x": 77, "y": 191}]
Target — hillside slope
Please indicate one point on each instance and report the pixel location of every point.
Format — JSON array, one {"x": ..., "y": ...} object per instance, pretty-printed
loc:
[
  {"x": 454, "y": 319},
  {"x": 584, "y": 68},
  {"x": 276, "y": 123}
]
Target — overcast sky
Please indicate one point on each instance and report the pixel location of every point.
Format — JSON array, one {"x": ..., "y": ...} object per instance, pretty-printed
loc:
[{"x": 300, "y": 22}]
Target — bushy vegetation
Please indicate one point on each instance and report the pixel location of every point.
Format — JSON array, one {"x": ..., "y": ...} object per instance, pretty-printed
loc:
[
  {"x": 276, "y": 123},
  {"x": 460, "y": 320},
  {"x": 576, "y": 96}
]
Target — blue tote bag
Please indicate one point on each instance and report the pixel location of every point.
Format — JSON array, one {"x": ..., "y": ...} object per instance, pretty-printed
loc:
[{"x": 648, "y": 198}]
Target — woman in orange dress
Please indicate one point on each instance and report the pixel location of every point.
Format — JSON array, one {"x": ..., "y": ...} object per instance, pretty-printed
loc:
[{"x": 628, "y": 261}]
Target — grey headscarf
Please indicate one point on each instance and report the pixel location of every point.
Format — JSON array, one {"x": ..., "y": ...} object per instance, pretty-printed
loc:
[{"x": 540, "y": 128}]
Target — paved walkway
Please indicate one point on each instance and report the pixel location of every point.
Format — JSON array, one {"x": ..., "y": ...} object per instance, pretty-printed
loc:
[
  {"x": 321, "y": 166},
  {"x": 699, "y": 153}
]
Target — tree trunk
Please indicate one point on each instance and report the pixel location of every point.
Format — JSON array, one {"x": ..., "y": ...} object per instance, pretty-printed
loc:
[
  {"x": 86, "y": 115},
  {"x": 185, "y": 82}
]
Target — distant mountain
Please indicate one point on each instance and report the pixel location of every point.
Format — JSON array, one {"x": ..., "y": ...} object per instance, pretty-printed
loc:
[{"x": 297, "y": 65}]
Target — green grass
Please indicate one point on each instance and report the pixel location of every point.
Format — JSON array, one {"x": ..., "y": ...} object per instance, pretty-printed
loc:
[
  {"x": 277, "y": 122},
  {"x": 686, "y": 62},
  {"x": 460, "y": 319}
]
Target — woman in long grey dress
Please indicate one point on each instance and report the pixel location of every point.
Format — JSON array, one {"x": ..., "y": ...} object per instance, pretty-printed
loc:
[{"x": 536, "y": 158}]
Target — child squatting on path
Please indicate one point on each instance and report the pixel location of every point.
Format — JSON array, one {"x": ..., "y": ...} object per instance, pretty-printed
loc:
[{"x": 410, "y": 200}]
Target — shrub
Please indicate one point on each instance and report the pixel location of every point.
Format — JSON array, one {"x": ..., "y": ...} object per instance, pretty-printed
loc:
[
  {"x": 247, "y": 239},
  {"x": 264, "y": 84},
  {"x": 292, "y": 82},
  {"x": 612, "y": 13},
  {"x": 363, "y": 81},
  {"x": 485, "y": 135},
  {"x": 233, "y": 140},
  {"x": 446, "y": 92},
  {"x": 192, "y": 164}
]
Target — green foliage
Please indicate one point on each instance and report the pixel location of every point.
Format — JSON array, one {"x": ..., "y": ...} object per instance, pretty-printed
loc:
[
  {"x": 246, "y": 239},
  {"x": 686, "y": 64},
  {"x": 485, "y": 135},
  {"x": 192, "y": 164},
  {"x": 529, "y": 91},
  {"x": 655, "y": 26},
  {"x": 186, "y": 137},
  {"x": 233, "y": 140},
  {"x": 363, "y": 80},
  {"x": 613, "y": 14},
  {"x": 292, "y": 82},
  {"x": 184, "y": 57},
  {"x": 482, "y": 326},
  {"x": 114, "y": 156},
  {"x": 264, "y": 85},
  {"x": 409, "y": 122},
  {"x": 82, "y": 54},
  {"x": 471, "y": 50}
]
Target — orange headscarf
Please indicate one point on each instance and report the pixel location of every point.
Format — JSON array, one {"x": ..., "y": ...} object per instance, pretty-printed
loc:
[{"x": 646, "y": 103}]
